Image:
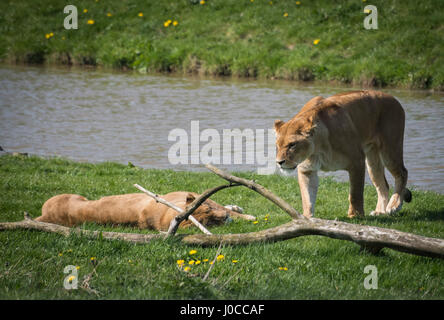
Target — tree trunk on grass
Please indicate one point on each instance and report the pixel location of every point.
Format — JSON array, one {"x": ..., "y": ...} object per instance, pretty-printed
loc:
[{"x": 371, "y": 238}]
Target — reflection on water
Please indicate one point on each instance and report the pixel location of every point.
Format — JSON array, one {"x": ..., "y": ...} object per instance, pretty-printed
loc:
[{"x": 93, "y": 115}]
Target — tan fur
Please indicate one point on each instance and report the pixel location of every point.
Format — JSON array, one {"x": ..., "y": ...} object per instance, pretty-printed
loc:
[
  {"x": 347, "y": 131},
  {"x": 134, "y": 209}
]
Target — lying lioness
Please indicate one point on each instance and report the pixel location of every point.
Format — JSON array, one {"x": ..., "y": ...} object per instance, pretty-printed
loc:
[
  {"x": 134, "y": 209},
  {"x": 347, "y": 132}
]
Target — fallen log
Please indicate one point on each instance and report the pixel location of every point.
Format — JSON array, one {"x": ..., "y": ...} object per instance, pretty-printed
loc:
[{"x": 374, "y": 238}]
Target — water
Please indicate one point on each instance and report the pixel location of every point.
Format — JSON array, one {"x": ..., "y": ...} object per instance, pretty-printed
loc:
[{"x": 96, "y": 115}]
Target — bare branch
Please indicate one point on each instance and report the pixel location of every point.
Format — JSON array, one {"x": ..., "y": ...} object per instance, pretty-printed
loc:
[
  {"x": 173, "y": 206},
  {"x": 174, "y": 225},
  {"x": 259, "y": 189},
  {"x": 159, "y": 199},
  {"x": 363, "y": 235}
]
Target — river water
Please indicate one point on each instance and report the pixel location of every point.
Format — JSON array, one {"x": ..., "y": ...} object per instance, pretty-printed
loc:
[{"x": 101, "y": 115}]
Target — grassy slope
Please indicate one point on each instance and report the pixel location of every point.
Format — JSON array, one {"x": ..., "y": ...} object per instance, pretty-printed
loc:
[
  {"x": 318, "y": 267},
  {"x": 237, "y": 37}
]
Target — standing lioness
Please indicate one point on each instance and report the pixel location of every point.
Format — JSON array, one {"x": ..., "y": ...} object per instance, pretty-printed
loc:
[{"x": 345, "y": 132}]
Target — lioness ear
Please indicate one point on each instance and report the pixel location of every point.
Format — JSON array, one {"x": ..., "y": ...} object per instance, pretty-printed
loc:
[
  {"x": 190, "y": 198},
  {"x": 310, "y": 132},
  {"x": 278, "y": 124}
]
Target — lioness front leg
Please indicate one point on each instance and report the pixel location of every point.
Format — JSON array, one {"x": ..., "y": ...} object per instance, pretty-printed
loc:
[
  {"x": 356, "y": 196},
  {"x": 308, "y": 184}
]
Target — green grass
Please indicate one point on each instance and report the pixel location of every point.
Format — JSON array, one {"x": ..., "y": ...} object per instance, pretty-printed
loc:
[
  {"x": 32, "y": 262},
  {"x": 237, "y": 38}
]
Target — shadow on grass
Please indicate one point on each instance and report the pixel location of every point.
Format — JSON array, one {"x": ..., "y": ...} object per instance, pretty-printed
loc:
[{"x": 407, "y": 216}]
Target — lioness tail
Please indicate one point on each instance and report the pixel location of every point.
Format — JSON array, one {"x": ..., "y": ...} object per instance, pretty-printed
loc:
[{"x": 407, "y": 195}]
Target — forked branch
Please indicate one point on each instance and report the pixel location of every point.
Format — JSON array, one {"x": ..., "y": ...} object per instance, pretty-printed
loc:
[
  {"x": 259, "y": 189},
  {"x": 174, "y": 225},
  {"x": 173, "y": 206},
  {"x": 367, "y": 236}
]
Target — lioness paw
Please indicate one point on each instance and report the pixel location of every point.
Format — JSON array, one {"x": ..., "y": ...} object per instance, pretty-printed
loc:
[
  {"x": 352, "y": 213},
  {"x": 234, "y": 208},
  {"x": 377, "y": 213},
  {"x": 394, "y": 205}
]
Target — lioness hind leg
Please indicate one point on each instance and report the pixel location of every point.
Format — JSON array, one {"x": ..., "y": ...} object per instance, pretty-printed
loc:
[
  {"x": 395, "y": 164},
  {"x": 375, "y": 170},
  {"x": 401, "y": 192},
  {"x": 391, "y": 140},
  {"x": 356, "y": 196}
]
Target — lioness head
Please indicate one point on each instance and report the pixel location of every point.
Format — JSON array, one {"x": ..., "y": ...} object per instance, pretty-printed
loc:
[
  {"x": 208, "y": 213},
  {"x": 294, "y": 141}
]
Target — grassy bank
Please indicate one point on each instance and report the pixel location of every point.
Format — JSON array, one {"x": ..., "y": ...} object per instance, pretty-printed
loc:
[
  {"x": 295, "y": 40},
  {"x": 312, "y": 267}
]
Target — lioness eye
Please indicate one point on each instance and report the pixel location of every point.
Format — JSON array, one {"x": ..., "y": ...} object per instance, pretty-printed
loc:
[{"x": 291, "y": 145}]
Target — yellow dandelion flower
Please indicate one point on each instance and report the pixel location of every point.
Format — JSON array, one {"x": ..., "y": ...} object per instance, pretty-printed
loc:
[
  {"x": 235, "y": 261},
  {"x": 202, "y": 2},
  {"x": 316, "y": 41},
  {"x": 166, "y": 24},
  {"x": 298, "y": 2},
  {"x": 93, "y": 258},
  {"x": 175, "y": 23},
  {"x": 109, "y": 14},
  {"x": 197, "y": 262},
  {"x": 77, "y": 267},
  {"x": 220, "y": 257},
  {"x": 255, "y": 222},
  {"x": 85, "y": 10},
  {"x": 283, "y": 268},
  {"x": 251, "y": 0},
  {"x": 205, "y": 260},
  {"x": 191, "y": 262},
  {"x": 286, "y": 14},
  {"x": 180, "y": 262},
  {"x": 186, "y": 269},
  {"x": 367, "y": 11},
  {"x": 140, "y": 14},
  {"x": 47, "y": 36},
  {"x": 271, "y": 3},
  {"x": 71, "y": 278},
  {"x": 211, "y": 262},
  {"x": 60, "y": 254},
  {"x": 193, "y": 252},
  {"x": 90, "y": 21}
]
